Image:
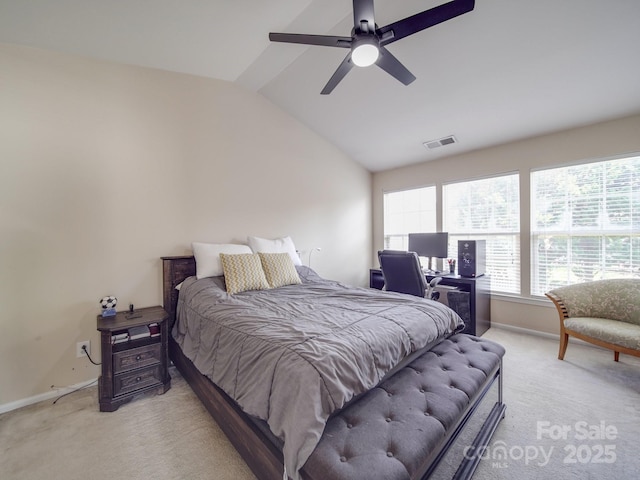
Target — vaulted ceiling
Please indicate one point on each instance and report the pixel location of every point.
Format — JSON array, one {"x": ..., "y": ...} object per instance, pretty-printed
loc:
[{"x": 508, "y": 70}]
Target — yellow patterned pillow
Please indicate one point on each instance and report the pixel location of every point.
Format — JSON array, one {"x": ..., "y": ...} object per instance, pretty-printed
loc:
[
  {"x": 243, "y": 272},
  {"x": 279, "y": 269}
]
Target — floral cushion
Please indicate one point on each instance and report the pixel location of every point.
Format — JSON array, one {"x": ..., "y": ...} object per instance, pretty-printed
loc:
[{"x": 611, "y": 331}]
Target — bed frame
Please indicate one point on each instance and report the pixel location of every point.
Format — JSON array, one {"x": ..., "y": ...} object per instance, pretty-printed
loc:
[
  {"x": 259, "y": 452},
  {"x": 262, "y": 457}
]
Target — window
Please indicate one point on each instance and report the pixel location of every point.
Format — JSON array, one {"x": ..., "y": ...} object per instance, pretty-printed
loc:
[
  {"x": 487, "y": 209},
  {"x": 585, "y": 223},
  {"x": 408, "y": 211}
]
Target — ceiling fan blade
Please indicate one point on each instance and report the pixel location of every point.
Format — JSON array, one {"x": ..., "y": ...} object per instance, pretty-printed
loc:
[
  {"x": 393, "y": 67},
  {"x": 420, "y": 21},
  {"x": 338, "y": 75},
  {"x": 363, "y": 11},
  {"x": 322, "y": 40}
]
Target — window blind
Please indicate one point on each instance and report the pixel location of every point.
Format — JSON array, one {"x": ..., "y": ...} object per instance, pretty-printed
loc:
[
  {"x": 585, "y": 223},
  {"x": 487, "y": 209},
  {"x": 408, "y": 211}
]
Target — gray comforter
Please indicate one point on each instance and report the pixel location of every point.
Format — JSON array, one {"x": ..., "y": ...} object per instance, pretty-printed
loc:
[{"x": 293, "y": 355}]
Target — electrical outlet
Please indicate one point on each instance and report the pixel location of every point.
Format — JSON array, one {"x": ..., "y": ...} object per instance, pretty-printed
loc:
[{"x": 79, "y": 351}]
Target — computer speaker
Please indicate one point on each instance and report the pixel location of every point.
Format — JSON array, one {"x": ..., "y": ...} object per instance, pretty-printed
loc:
[{"x": 471, "y": 257}]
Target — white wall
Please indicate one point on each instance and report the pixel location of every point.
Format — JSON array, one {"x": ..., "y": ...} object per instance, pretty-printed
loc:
[
  {"x": 105, "y": 168},
  {"x": 615, "y": 137}
]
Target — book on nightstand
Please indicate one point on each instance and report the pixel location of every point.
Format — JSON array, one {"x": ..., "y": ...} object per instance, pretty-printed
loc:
[
  {"x": 154, "y": 329},
  {"x": 141, "y": 331},
  {"x": 119, "y": 337}
]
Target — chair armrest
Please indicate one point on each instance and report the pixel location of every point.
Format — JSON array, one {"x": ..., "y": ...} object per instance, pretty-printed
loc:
[{"x": 560, "y": 306}]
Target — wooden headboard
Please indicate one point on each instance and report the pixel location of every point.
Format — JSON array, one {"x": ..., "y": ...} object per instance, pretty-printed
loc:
[{"x": 174, "y": 271}]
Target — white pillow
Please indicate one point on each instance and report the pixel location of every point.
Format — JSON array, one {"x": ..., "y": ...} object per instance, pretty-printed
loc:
[
  {"x": 207, "y": 255},
  {"x": 276, "y": 245}
]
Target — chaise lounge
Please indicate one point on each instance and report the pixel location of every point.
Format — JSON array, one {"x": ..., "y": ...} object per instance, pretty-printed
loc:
[{"x": 604, "y": 312}]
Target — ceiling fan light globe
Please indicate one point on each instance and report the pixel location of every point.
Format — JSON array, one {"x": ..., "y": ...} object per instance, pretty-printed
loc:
[{"x": 365, "y": 54}]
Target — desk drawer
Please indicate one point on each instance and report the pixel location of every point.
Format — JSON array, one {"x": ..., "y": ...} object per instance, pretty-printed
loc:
[
  {"x": 136, "y": 358},
  {"x": 135, "y": 380}
]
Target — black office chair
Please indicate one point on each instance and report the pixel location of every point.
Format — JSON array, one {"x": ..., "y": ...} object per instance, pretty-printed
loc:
[{"x": 403, "y": 273}]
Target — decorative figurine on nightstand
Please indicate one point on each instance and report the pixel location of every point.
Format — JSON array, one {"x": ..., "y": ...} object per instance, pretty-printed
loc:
[{"x": 108, "y": 304}]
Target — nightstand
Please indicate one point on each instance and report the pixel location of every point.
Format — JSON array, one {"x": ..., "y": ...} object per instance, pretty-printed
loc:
[{"x": 133, "y": 366}]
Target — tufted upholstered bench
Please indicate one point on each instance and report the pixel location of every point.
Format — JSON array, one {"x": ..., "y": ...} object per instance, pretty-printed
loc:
[{"x": 401, "y": 429}]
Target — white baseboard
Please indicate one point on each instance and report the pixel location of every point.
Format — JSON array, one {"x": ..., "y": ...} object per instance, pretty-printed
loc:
[
  {"x": 7, "y": 407},
  {"x": 537, "y": 333},
  {"x": 526, "y": 331}
]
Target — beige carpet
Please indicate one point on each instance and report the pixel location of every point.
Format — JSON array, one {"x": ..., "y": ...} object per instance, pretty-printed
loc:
[
  {"x": 171, "y": 436},
  {"x": 583, "y": 392}
]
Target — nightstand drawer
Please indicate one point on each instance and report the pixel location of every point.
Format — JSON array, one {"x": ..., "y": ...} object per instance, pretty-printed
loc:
[
  {"x": 136, "y": 358},
  {"x": 135, "y": 380}
]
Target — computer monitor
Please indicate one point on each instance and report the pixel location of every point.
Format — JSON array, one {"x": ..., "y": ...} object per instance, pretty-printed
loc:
[{"x": 434, "y": 244}]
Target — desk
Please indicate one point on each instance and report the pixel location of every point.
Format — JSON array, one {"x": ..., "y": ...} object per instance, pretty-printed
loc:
[{"x": 479, "y": 289}]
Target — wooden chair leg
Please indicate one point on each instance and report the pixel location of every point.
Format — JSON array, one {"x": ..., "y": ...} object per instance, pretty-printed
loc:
[
  {"x": 616, "y": 356},
  {"x": 564, "y": 340}
]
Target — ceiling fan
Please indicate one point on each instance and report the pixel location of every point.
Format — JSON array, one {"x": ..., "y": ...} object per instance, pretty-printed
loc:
[{"x": 368, "y": 41}]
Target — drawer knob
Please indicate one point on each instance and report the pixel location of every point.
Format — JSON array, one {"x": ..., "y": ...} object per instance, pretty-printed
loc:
[
  {"x": 138, "y": 379},
  {"x": 138, "y": 357}
]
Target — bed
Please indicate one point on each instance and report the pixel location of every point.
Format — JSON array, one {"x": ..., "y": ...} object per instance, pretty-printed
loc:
[{"x": 341, "y": 438}]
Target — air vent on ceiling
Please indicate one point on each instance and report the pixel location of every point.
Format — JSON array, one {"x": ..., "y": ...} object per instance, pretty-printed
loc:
[{"x": 441, "y": 142}]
